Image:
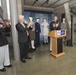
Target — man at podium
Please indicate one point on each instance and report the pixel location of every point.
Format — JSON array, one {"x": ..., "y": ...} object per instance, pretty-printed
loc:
[{"x": 54, "y": 25}]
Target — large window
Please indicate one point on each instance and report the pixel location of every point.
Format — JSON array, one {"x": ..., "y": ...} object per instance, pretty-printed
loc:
[
  {"x": 0, "y": 2},
  {"x": 8, "y": 9}
]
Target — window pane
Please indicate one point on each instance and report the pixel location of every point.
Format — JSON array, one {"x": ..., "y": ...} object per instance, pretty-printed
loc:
[
  {"x": 8, "y": 9},
  {"x": 0, "y": 2}
]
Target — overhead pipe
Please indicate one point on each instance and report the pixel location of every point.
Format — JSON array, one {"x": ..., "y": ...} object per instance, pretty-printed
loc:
[{"x": 26, "y": 7}]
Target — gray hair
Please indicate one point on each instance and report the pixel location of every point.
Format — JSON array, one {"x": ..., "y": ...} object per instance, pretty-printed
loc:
[{"x": 21, "y": 16}]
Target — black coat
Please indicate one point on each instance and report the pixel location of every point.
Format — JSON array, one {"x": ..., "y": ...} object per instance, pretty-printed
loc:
[
  {"x": 3, "y": 39},
  {"x": 8, "y": 30},
  {"x": 54, "y": 28},
  {"x": 22, "y": 34}
]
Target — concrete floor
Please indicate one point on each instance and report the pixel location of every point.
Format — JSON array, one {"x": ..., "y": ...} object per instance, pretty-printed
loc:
[{"x": 42, "y": 63}]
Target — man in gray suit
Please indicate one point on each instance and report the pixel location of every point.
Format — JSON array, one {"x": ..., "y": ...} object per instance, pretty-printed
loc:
[{"x": 23, "y": 39}]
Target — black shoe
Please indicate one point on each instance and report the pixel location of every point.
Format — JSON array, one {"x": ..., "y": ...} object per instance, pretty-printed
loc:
[
  {"x": 38, "y": 45},
  {"x": 31, "y": 51},
  {"x": 3, "y": 70},
  {"x": 23, "y": 61},
  {"x": 44, "y": 43},
  {"x": 28, "y": 58},
  {"x": 8, "y": 66},
  {"x": 47, "y": 43},
  {"x": 50, "y": 51}
]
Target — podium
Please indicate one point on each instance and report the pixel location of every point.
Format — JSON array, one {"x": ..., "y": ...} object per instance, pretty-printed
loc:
[{"x": 57, "y": 42}]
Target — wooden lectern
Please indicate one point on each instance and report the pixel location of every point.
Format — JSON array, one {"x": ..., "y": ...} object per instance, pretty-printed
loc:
[{"x": 57, "y": 42}]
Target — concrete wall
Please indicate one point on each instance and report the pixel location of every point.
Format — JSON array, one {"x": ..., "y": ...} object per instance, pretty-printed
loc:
[
  {"x": 74, "y": 33},
  {"x": 58, "y": 11}
]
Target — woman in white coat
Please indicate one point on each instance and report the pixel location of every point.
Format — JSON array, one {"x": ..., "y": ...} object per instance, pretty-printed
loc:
[{"x": 45, "y": 31}]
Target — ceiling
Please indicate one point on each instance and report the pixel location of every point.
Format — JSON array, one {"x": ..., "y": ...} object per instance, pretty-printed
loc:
[
  {"x": 51, "y": 4},
  {"x": 48, "y": 3},
  {"x": 73, "y": 7}
]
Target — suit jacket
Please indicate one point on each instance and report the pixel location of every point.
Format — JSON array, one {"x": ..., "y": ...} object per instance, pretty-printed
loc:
[
  {"x": 3, "y": 39},
  {"x": 22, "y": 33},
  {"x": 54, "y": 28}
]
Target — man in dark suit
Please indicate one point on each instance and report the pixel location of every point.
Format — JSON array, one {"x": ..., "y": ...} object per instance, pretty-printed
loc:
[{"x": 23, "y": 39}]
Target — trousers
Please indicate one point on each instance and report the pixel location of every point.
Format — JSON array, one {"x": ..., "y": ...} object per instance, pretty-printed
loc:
[
  {"x": 4, "y": 56},
  {"x": 24, "y": 50}
]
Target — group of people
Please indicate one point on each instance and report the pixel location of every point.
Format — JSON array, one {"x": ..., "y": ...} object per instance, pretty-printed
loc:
[
  {"x": 4, "y": 45},
  {"x": 28, "y": 38},
  {"x": 29, "y": 35}
]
